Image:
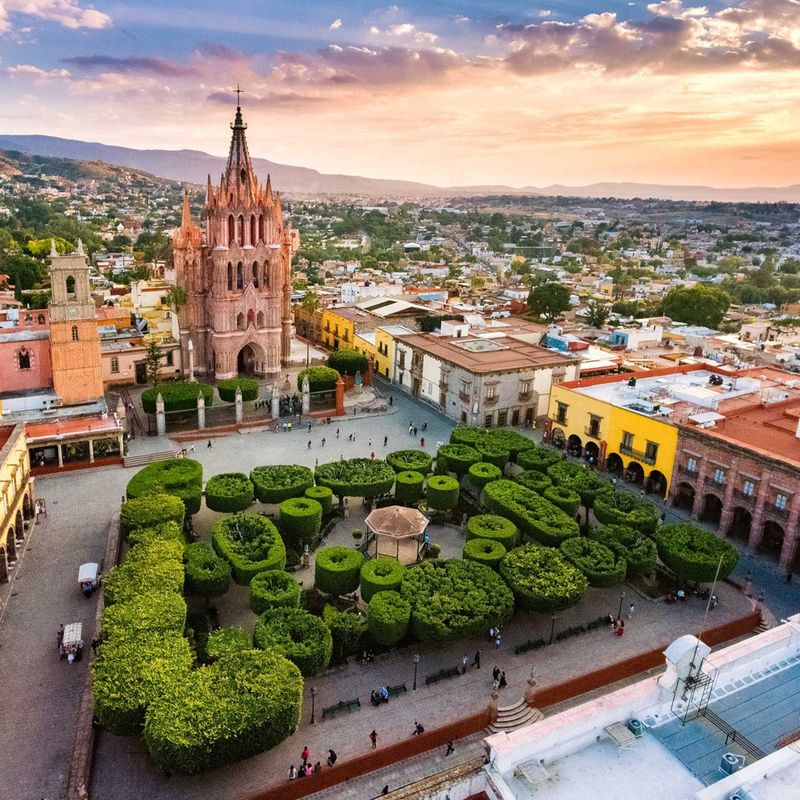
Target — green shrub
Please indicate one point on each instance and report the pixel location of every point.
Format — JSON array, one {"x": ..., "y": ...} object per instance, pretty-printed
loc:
[
  {"x": 694, "y": 554},
  {"x": 298, "y": 635},
  {"x": 178, "y": 396},
  {"x": 166, "y": 532},
  {"x": 207, "y": 575},
  {"x": 586, "y": 482},
  {"x": 638, "y": 550},
  {"x": 181, "y": 477},
  {"x": 153, "y": 567},
  {"x": 380, "y": 575},
  {"x": 346, "y": 627},
  {"x": 150, "y": 511},
  {"x": 442, "y": 492},
  {"x": 228, "y": 492},
  {"x": 244, "y": 703},
  {"x": 408, "y": 487},
  {"x": 541, "y": 578},
  {"x": 538, "y": 459},
  {"x": 348, "y": 362},
  {"x": 500, "y": 438},
  {"x": 249, "y": 386},
  {"x": 225, "y": 642},
  {"x": 410, "y": 461},
  {"x": 490, "y": 526},
  {"x": 455, "y": 599},
  {"x": 598, "y": 563},
  {"x": 623, "y": 508},
  {"x": 458, "y": 458},
  {"x": 484, "y": 551},
  {"x": 149, "y": 612},
  {"x": 531, "y": 479},
  {"x": 530, "y": 512},
  {"x": 323, "y": 495},
  {"x": 482, "y": 473},
  {"x": 300, "y": 520},
  {"x": 250, "y": 543},
  {"x": 563, "y": 497},
  {"x": 389, "y": 617},
  {"x": 320, "y": 379},
  {"x": 356, "y": 477},
  {"x": 274, "y": 484},
  {"x": 273, "y": 589},
  {"x": 492, "y": 454},
  {"x": 337, "y": 570}
]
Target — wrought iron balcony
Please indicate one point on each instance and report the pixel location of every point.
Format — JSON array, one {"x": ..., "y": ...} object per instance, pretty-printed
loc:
[
  {"x": 783, "y": 513},
  {"x": 490, "y": 401},
  {"x": 639, "y": 455},
  {"x": 524, "y": 395},
  {"x": 593, "y": 433},
  {"x": 683, "y": 470},
  {"x": 464, "y": 396},
  {"x": 712, "y": 481},
  {"x": 741, "y": 497}
]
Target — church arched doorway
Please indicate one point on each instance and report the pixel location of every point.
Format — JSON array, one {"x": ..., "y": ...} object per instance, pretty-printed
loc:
[{"x": 247, "y": 362}]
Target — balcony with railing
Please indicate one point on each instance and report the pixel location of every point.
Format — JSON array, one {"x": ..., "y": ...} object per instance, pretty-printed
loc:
[
  {"x": 490, "y": 400},
  {"x": 714, "y": 482},
  {"x": 776, "y": 511},
  {"x": 524, "y": 396},
  {"x": 684, "y": 470},
  {"x": 639, "y": 455},
  {"x": 744, "y": 499},
  {"x": 592, "y": 432},
  {"x": 464, "y": 396}
]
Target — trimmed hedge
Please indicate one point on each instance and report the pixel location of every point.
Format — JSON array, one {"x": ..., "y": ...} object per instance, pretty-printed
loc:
[
  {"x": 320, "y": 379},
  {"x": 251, "y": 543},
  {"x": 694, "y": 554},
  {"x": 150, "y": 612},
  {"x": 542, "y": 579},
  {"x": 323, "y": 495},
  {"x": 273, "y": 589},
  {"x": 337, "y": 570},
  {"x": 153, "y": 567},
  {"x": 623, "y": 508},
  {"x": 181, "y": 477},
  {"x": 586, "y": 482},
  {"x": 531, "y": 479},
  {"x": 410, "y": 461},
  {"x": 249, "y": 386},
  {"x": 178, "y": 396},
  {"x": 482, "y": 473},
  {"x": 166, "y": 532},
  {"x": 274, "y": 484},
  {"x": 408, "y": 487},
  {"x": 484, "y": 551},
  {"x": 225, "y": 642},
  {"x": 598, "y": 563},
  {"x": 389, "y": 617},
  {"x": 442, "y": 492},
  {"x": 298, "y": 635},
  {"x": 530, "y": 512},
  {"x": 229, "y": 492},
  {"x": 502, "y": 438},
  {"x": 638, "y": 550},
  {"x": 348, "y": 362},
  {"x": 455, "y": 599},
  {"x": 356, "y": 477},
  {"x": 380, "y": 575},
  {"x": 151, "y": 511},
  {"x": 300, "y": 520},
  {"x": 207, "y": 575},
  {"x": 457, "y": 458},
  {"x": 490, "y": 526},
  {"x": 492, "y": 454},
  {"x": 563, "y": 497},
  {"x": 539, "y": 459}
]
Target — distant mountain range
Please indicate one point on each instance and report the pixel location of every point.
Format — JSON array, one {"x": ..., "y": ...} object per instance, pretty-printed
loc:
[{"x": 194, "y": 166}]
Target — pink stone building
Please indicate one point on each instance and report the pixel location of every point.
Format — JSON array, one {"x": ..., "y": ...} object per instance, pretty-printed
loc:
[
  {"x": 25, "y": 364},
  {"x": 236, "y": 273}
]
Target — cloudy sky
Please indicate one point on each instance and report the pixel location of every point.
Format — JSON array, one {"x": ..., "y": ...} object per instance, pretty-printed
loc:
[{"x": 480, "y": 91}]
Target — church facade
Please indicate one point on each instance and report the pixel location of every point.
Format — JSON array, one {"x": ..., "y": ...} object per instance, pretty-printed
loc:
[{"x": 236, "y": 273}]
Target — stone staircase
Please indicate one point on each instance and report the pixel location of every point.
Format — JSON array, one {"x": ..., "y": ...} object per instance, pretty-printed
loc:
[
  {"x": 510, "y": 718},
  {"x": 147, "y": 458}
]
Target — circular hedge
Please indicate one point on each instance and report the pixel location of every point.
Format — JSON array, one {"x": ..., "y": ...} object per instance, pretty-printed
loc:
[
  {"x": 151, "y": 511},
  {"x": 484, "y": 551},
  {"x": 337, "y": 570},
  {"x": 638, "y": 550},
  {"x": 300, "y": 519},
  {"x": 178, "y": 396},
  {"x": 356, "y": 477},
  {"x": 298, "y": 635},
  {"x": 229, "y": 491},
  {"x": 181, "y": 477},
  {"x": 279, "y": 482},
  {"x": 694, "y": 554},
  {"x": 207, "y": 575},
  {"x": 457, "y": 458},
  {"x": 492, "y": 454},
  {"x": 623, "y": 508},
  {"x": 410, "y": 461},
  {"x": 539, "y": 459},
  {"x": 482, "y": 473},
  {"x": 348, "y": 362},
  {"x": 249, "y": 386},
  {"x": 601, "y": 566},
  {"x": 542, "y": 579},
  {"x": 320, "y": 379},
  {"x": 586, "y": 482},
  {"x": 389, "y": 617},
  {"x": 251, "y": 543},
  {"x": 380, "y": 575},
  {"x": 455, "y": 599},
  {"x": 323, "y": 495},
  {"x": 226, "y": 641},
  {"x": 490, "y": 526},
  {"x": 531, "y": 479},
  {"x": 273, "y": 589},
  {"x": 408, "y": 487},
  {"x": 442, "y": 492},
  {"x": 563, "y": 497}
]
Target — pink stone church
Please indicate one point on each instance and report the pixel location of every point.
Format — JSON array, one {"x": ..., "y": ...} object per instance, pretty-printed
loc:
[{"x": 236, "y": 273}]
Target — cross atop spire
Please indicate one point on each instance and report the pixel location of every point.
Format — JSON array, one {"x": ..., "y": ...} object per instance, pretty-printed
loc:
[{"x": 238, "y": 92}]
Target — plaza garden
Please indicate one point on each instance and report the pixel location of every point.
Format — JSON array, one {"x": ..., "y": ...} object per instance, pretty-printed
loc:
[{"x": 231, "y": 593}]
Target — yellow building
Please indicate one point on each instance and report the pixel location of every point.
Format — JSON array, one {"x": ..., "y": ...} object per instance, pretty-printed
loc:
[
  {"x": 338, "y": 327},
  {"x": 16, "y": 494},
  {"x": 385, "y": 348},
  {"x": 365, "y": 343}
]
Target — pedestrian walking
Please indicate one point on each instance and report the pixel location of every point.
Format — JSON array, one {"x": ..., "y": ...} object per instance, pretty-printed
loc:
[
  {"x": 631, "y": 610},
  {"x": 415, "y": 430},
  {"x": 476, "y": 662},
  {"x": 309, "y": 427},
  {"x": 323, "y": 441},
  {"x": 191, "y": 447},
  {"x": 422, "y": 442},
  {"x": 209, "y": 444},
  {"x": 497, "y": 641},
  {"x": 464, "y": 662},
  {"x": 331, "y": 758},
  {"x": 309, "y": 444},
  {"x": 410, "y": 429},
  {"x": 59, "y": 636},
  {"x": 492, "y": 633},
  {"x": 292, "y": 772},
  {"x": 419, "y": 729},
  {"x": 305, "y": 754},
  {"x": 385, "y": 790},
  {"x": 496, "y": 673},
  {"x": 391, "y": 400},
  {"x": 503, "y": 682},
  {"x": 372, "y": 455},
  {"x": 373, "y": 737},
  {"x": 621, "y": 627},
  {"x": 425, "y": 425},
  {"x": 385, "y": 440},
  {"x": 370, "y": 443},
  {"x": 450, "y": 748},
  {"x": 337, "y": 433},
  {"x": 95, "y": 644}
]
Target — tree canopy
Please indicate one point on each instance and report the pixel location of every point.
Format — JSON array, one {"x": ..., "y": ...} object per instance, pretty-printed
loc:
[
  {"x": 549, "y": 300},
  {"x": 700, "y": 305}
]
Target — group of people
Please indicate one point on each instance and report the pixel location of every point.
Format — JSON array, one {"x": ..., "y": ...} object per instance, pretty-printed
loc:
[
  {"x": 305, "y": 768},
  {"x": 498, "y": 678},
  {"x": 379, "y": 696},
  {"x": 413, "y": 430},
  {"x": 495, "y": 636}
]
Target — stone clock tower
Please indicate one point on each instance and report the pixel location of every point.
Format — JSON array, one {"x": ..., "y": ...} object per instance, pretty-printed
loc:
[{"x": 74, "y": 338}]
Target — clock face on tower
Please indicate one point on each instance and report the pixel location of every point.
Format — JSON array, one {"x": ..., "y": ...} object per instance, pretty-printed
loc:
[{"x": 73, "y": 312}]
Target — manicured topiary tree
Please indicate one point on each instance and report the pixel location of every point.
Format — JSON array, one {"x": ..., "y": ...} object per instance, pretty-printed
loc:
[
  {"x": 457, "y": 458},
  {"x": 150, "y": 511},
  {"x": 348, "y": 362},
  {"x": 492, "y": 454},
  {"x": 542, "y": 579},
  {"x": 229, "y": 491},
  {"x": 248, "y": 386},
  {"x": 442, "y": 492},
  {"x": 389, "y": 617},
  {"x": 178, "y": 396},
  {"x": 320, "y": 379},
  {"x": 168, "y": 531},
  {"x": 251, "y": 543},
  {"x": 694, "y": 554},
  {"x": 323, "y": 495},
  {"x": 482, "y": 473},
  {"x": 153, "y": 567},
  {"x": 337, "y": 570},
  {"x": 502, "y": 438},
  {"x": 149, "y": 612},
  {"x": 181, "y": 477},
  {"x": 356, "y": 477},
  {"x": 623, "y": 508},
  {"x": 490, "y": 526},
  {"x": 531, "y": 479},
  {"x": 586, "y": 482},
  {"x": 207, "y": 575},
  {"x": 408, "y": 487},
  {"x": 273, "y": 589},
  {"x": 638, "y": 550},
  {"x": 300, "y": 520},
  {"x": 279, "y": 482},
  {"x": 410, "y": 460},
  {"x": 539, "y": 459},
  {"x": 295, "y": 633},
  {"x": 225, "y": 642},
  {"x": 346, "y": 627},
  {"x": 484, "y": 551},
  {"x": 380, "y": 575},
  {"x": 563, "y": 497},
  {"x": 598, "y": 563}
]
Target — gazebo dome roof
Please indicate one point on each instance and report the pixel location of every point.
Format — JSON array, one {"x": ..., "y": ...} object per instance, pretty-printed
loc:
[{"x": 398, "y": 522}]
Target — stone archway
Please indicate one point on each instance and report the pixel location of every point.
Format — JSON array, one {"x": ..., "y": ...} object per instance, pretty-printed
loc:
[
  {"x": 741, "y": 524},
  {"x": 558, "y": 438},
  {"x": 684, "y": 497},
  {"x": 657, "y": 483},
  {"x": 592, "y": 451},
  {"x": 11, "y": 545},
  {"x": 635, "y": 473},
  {"x": 19, "y": 527},
  {"x": 3, "y": 565},
  {"x": 27, "y": 506},
  {"x": 771, "y": 542},
  {"x": 575, "y": 445},
  {"x": 250, "y": 360},
  {"x": 614, "y": 464},
  {"x": 712, "y": 509}
]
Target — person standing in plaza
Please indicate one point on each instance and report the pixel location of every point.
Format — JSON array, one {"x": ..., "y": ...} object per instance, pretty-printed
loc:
[
  {"x": 503, "y": 682},
  {"x": 476, "y": 662},
  {"x": 385, "y": 441},
  {"x": 59, "y": 637},
  {"x": 497, "y": 641},
  {"x": 309, "y": 444},
  {"x": 495, "y": 676},
  {"x": 331, "y": 758},
  {"x": 450, "y": 748},
  {"x": 621, "y": 627},
  {"x": 373, "y": 737},
  {"x": 464, "y": 662},
  {"x": 209, "y": 444},
  {"x": 631, "y": 610}
]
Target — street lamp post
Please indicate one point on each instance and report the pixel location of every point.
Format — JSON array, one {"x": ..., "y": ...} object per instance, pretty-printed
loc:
[
  {"x": 416, "y": 661},
  {"x": 313, "y": 698},
  {"x": 552, "y": 628},
  {"x": 621, "y": 601}
]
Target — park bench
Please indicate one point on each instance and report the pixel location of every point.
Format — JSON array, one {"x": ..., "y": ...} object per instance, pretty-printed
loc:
[
  {"x": 442, "y": 674},
  {"x": 396, "y": 691},
  {"x": 331, "y": 711},
  {"x": 531, "y": 644}
]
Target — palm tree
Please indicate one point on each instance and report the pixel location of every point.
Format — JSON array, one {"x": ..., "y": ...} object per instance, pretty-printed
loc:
[{"x": 310, "y": 304}]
